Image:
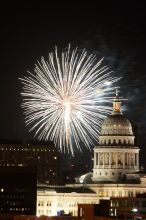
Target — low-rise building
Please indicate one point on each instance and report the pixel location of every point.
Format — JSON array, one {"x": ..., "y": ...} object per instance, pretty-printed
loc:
[{"x": 51, "y": 199}]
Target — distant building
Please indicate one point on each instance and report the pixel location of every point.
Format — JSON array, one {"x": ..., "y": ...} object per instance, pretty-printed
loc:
[
  {"x": 18, "y": 189},
  {"x": 43, "y": 155},
  {"x": 115, "y": 170},
  {"x": 50, "y": 199}
]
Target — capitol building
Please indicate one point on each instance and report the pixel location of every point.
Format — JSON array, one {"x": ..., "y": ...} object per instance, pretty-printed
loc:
[{"x": 115, "y": 170}]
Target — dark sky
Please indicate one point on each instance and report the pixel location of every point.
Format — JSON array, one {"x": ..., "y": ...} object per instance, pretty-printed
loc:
[{"x": 115, "y": 30}]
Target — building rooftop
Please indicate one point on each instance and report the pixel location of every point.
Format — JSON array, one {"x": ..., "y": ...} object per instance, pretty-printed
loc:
[{"x": 65, "y": 189}]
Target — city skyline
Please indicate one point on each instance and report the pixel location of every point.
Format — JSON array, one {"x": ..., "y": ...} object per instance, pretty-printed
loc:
[{"x": 116, "y": 32}]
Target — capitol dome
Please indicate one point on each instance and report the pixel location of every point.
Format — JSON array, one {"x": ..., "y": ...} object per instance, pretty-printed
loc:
[
  {"x": 116, "y": 129},
  {"x": 116, "y": 155},
  {"x": 116, "y": 124}
]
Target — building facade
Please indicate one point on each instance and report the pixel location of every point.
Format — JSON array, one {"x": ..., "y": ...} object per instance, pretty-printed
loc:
[
  {"x": 50, "y": 200},
  {"x": 42, "y": 155}
]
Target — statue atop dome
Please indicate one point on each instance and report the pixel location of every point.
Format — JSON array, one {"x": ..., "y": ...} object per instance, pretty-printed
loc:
[{"x": 117, "y": 104}]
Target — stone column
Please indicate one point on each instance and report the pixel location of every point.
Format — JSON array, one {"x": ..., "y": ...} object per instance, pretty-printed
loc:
[
  {"x": 117, "y": 160},
  {"x": 110, "y": 159},
  {"x": 103, "y": 160},
  {"x": 137, "y": 157},
  {"x": 130, "y": 160},
  {"x": 123, "y": 160}
]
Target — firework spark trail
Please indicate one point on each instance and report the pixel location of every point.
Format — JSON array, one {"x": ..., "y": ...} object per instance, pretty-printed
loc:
[{"x": 65, "y": 99}]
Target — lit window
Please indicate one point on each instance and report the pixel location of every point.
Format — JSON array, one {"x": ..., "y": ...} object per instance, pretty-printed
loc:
[{"x": 20, "y": 165}]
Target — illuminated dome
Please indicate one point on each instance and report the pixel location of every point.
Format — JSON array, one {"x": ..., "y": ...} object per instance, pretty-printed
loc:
[
  {"x": 116, "y": 124},
  {"x": 116, "y": 128}
]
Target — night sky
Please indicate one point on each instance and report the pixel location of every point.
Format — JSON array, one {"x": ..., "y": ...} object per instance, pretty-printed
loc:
[{"x": 115, "y": 31}]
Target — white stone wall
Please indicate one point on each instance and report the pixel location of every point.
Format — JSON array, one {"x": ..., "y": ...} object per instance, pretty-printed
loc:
[{"x": 49, "y": 202}]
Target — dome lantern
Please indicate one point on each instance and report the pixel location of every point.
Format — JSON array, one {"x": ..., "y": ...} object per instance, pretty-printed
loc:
[{"x": 117, "y": 104}]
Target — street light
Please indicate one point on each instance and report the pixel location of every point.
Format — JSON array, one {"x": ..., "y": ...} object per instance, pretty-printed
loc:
[{"x": 134, "y": 210}]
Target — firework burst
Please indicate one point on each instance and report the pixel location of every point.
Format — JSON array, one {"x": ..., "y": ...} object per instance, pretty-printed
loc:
[{"x": 65, "y": 98}]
